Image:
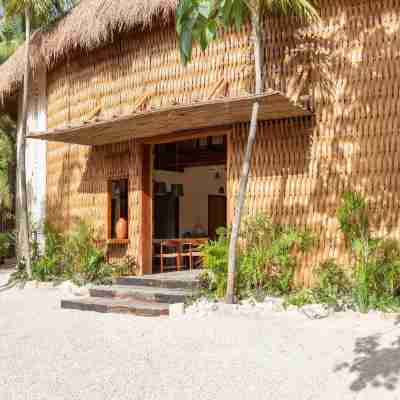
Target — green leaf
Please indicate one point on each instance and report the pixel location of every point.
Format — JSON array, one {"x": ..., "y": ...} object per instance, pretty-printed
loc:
[{"x": 186, "y": 40}]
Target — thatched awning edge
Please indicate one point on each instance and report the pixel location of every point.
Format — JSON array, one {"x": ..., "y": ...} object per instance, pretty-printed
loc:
[
  {"x": 174, "y": 119},
  {"x": 89, "y": 25}
]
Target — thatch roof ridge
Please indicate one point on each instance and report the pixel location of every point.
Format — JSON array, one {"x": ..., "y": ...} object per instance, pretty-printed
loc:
[{"x": 90, "y": 24}]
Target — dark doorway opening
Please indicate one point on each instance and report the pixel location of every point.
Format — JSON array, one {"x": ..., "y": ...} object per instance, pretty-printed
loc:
[{"x": 189, "y": 198}]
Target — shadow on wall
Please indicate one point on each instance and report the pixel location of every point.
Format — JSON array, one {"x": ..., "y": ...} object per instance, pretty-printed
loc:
[
  {"x": 374, "y": 364},
  {"x": 57, "y": 204},
  {"x": 347, "y": 70},
  {"x": 66, "y": 203}
]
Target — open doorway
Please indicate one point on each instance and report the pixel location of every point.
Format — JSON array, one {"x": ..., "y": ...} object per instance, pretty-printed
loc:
[{"x": 189, "y": 199}]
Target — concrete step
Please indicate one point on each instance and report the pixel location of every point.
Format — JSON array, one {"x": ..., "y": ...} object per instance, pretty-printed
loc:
[
  {"x": 167, "y": 280},
  {"x": 142, "y": 293},
  {"x": 120, "y": 306}
]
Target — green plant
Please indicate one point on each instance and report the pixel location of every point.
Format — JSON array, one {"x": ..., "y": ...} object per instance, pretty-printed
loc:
[
  {"x": 84, "y": 261},
  {"x": 48, "y": 265},
  {"x": 332, "y": 286},
  {"x": 376, "y": 276},
  {"x": 5, "y": 245},
  {"x": 94, "y": 269},
  {"x": 286, "y": 242},
  {"x": 266, "y": 258},
  {"x": 215, "y": 260},
  {"x": 300, "y": 298},
  {"x": 19, "y": 275},
  {"x": 126, "y": 266}
]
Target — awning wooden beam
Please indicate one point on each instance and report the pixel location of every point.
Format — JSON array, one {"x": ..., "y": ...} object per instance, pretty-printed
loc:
[{"x": 173, "y": 120}]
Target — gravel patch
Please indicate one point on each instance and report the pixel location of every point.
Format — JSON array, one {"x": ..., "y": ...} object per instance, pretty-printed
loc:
[{"x": 51, "y": 354}]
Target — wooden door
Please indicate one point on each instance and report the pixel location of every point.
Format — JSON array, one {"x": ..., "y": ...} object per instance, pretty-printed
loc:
[
  {"x": 216, "y": 214},
  {"x": 166, "y": 217}
]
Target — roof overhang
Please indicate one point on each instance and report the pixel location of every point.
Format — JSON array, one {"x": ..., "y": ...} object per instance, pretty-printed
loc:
[{"x": 182, "y": 118}]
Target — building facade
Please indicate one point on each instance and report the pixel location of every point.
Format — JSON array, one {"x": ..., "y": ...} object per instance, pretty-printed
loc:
[{"x": 341, "y": 74}]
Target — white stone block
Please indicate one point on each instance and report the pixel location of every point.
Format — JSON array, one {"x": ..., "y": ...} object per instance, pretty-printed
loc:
[{"x": 177, "y": 309}]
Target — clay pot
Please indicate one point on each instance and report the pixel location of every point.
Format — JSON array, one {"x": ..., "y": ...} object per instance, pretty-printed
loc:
[{"x": 121, "y": 229}]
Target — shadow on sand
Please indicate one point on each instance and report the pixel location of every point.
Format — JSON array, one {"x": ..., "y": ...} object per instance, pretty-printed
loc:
[{"x": 375, "y": 363}]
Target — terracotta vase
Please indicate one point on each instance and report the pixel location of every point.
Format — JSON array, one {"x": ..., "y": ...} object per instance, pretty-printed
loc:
[{"x": 121, "y": 229}]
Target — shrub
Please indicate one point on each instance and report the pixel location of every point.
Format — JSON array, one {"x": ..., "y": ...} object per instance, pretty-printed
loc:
[
  {"x": 126, "y": 266},
  {"x": 94, "y": 269},
  {"x": 215, "y": 260},
  {"x": 332, "y": 285},
  {"x": 376, "y": 276},
  {"x": 301, "y": 298},
  {"x": 19, "y": 275},
  {"x": 5, "y": 245},
  {"x": 48, "y": 265},
  {"x": 74, "y": 255},
  {"x": 266, "y": 258},
  {"x": 269, "y": 257}
]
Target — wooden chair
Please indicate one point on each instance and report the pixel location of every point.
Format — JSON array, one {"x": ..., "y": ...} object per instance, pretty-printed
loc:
[
  {"x": 191, "y": 250},
  {"x": 167, "y": 245}
]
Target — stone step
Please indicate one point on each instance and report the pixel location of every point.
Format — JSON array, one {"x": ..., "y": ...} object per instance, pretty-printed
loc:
[
  {"x": 168, "y": 280},
  {"x": 120, "y": 306},
  {"x": 142, "y": 293}
]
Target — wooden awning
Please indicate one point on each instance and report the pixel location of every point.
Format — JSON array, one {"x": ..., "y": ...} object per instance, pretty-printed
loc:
[{"x": 182, "y": 118}]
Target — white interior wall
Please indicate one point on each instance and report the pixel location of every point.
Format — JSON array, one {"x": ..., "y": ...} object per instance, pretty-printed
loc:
[{"x": 198, "y": 183}]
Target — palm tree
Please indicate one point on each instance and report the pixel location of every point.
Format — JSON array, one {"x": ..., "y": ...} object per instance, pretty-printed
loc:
[
  {"x": 11, "y": 36},
  {"x": 198, "y": 21},
  {"x": 42, "y": 13}
]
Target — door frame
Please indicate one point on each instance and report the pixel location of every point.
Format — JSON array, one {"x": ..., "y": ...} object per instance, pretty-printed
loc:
[
  {"x": 146, "y": 199},
  {"x": 210, "y": 196},
  {"x": 146, "y": 191}
]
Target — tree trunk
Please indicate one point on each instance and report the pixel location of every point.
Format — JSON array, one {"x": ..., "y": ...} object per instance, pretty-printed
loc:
[
  {"x": 22, "y": 216},
  {"x": 257, "y": 25}
]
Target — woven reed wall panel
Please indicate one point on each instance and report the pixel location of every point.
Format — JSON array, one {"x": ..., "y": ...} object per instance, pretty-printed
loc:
[
  {"x": 347, "y": 68},
  {"x": 301, "y": 168},
  {"x": 77, "y": 187},
  {"x": 146, "y": 65}
]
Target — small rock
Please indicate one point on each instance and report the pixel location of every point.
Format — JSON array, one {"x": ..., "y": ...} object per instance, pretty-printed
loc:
[
  {"x": 315, "y": 311},
  {"x": 67, "y": 288},
  {"x": 248, "y": 302},
  {"x": 176, "y": 310},
  {"x": 278, "y": 307},
  {"x": 31, "y": 285},
  {"x": 80, "y": 291},
  {"x": 214, "y": 307}
]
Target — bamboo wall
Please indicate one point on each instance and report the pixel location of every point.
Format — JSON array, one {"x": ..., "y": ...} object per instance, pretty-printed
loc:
[
  {"x": 77, "y": 187},
  {"x": 347, "y": 67}
]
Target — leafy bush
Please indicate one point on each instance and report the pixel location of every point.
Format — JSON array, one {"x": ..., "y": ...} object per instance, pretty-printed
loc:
[
  {"x": 266, "y": 258},
  {"x": 94, "y": 269},
  {"x": 376, "y": 276},
  {"x": 19, "y": 275},
  {"x": 269, "y": 257},
  {"x": 215, "y": 260},
  {"x": 48, "y": 266},
  {"x": 74, "y": 255},
  {"x": 5, "y": 245},
  {"x": 332, "y": 285},
  {"x": 125, "y": 266},
  {"x": 301, "y": 297}
]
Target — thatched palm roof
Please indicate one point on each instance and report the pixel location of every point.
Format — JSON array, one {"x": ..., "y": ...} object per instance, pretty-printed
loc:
[{"x": 87, "y": 26}]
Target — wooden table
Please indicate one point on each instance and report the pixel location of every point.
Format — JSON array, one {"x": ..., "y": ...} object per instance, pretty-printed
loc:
[{"x": 178, "y": 244}]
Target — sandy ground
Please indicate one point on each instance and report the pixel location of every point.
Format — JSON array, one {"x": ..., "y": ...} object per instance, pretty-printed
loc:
[{"x": 49, "y": 353}]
